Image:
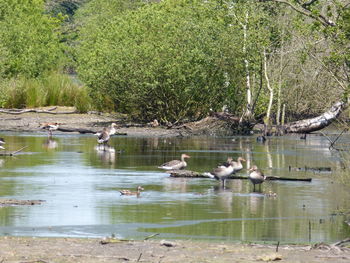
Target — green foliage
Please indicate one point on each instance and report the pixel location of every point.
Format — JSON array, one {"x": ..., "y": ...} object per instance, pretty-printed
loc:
[
  {"x": 29, "y": 39},
  {"x": 171, "y": 61},
  {"x": 53, "y": 89}
]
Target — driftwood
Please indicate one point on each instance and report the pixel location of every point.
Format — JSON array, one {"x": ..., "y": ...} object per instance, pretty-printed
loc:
[
  {"x": 11, "y": 202},
  {"x": 317, "y": 123},
  {"x": 49, "y": 111},
  {"x": 192, "y": 174},
  {"x": 84, "y": 131},
  {"x": 12, "y": 153}
]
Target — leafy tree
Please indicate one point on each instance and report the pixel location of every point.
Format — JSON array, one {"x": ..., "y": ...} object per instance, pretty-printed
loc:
[
  {"x": 171, "y": 60},
  {"x": 29, "y": 39}
]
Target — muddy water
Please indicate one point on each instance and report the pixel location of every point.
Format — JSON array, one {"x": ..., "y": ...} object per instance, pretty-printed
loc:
[{"x": 80, "y": 185}]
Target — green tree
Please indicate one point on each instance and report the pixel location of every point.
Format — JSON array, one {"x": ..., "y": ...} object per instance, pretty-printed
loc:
[
  {"x": 29, "y": 39},
  {"x": 172, "y": 60}
]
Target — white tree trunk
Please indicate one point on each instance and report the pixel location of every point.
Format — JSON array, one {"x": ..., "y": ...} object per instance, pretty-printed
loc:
[{"x": 268, "y": 112}]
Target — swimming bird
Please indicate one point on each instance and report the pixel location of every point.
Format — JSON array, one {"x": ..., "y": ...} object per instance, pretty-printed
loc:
[
  {"x": 222, "y": 173},
  {"x": 256, "y": 176},
  {"x": 237, "y": 166},
  {"x": 175, "y": 164},
  {"x": 128, "y": 192},
  {"x": 50, "y": 127},
  {"x": 2, "y": 141}
]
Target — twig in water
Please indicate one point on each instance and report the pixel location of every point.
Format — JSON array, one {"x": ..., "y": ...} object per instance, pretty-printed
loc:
[
  {"x": 139, "y": 257},
  {"x": 153, "y": 235},
  {"x": 278, "y": 244}
]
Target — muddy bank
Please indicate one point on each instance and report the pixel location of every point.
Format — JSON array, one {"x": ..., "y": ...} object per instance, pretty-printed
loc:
[
  {"x": 31, "y": 122},
  {"x": 28, "y": 249}
]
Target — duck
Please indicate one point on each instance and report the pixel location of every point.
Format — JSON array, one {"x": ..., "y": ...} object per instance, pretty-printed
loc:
[
  {"x": 237, "y": 166},
  {"x": 2, "y": 141},
  {"x": 256, "y": 176},
  {"x": 175, "y": 164},
  {"x": 50, "y": 127},
  {"x": 128, "y": 192},
  {"x": 222, "y": 173}
]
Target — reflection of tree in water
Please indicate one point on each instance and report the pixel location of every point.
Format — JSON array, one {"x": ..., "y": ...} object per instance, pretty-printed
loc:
[
  {"x": 106, "y": 153},
  {"x": 2, "y": 162}
]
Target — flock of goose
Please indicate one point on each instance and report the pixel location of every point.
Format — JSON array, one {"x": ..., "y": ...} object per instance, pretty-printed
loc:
[{"x": 221, "y": 172}]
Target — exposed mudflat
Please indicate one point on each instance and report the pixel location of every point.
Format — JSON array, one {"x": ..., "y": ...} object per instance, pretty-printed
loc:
[
  {"x": 32, "y": 122},
  {"x": 27, "y": 249}
]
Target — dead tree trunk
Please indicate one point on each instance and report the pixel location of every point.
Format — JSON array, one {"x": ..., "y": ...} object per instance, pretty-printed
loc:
[{"x": 315, "y": 124}]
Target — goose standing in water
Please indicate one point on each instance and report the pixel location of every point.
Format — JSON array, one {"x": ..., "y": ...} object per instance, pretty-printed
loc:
[
  {"x": 256, "y": 176},
  {"x": 175, "y": 164},
  {"x": 223, "y": 172},
  {"x": 50, "y": 127},
  {"x": 104, "y": 135},
  {"x": 2, "y": 141},
  {"x": 128, "y": 192}
]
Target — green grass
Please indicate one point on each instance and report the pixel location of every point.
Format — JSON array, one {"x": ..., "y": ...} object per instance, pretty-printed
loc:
[{"x": 52, "y": 89}]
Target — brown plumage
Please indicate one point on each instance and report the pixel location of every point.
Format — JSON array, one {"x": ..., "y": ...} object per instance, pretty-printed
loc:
[
  {"x": 256, "y": 176},
  {"x": 175, "y": 164},
  {"x": 128, "y": 192}
]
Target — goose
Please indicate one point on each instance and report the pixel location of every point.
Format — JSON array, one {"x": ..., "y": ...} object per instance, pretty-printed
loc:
[
  {"x": 2, "y": 141},
  {"x": 175, "y": 164},
  {"x": 128, "y": 192},
  {"x": 227, "y": 163},
  {"x": 256, "y": 176},
  {"x": 50, "y": 127},
  {"x": 237, "y": 166},
  {"x": 110, "y": 130},
  {"x": 222, "y": 173},
  {"x": 103, "y": 137}
]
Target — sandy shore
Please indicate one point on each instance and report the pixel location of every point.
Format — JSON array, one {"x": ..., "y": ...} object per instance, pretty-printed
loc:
[{"x": 28, "y": 249}]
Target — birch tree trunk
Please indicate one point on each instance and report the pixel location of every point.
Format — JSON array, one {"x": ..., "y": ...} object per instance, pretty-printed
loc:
[
  {"x": 268, "y": 112},
  {"x": 317, "y": 123},
  {"x": 248, "y": 110}
]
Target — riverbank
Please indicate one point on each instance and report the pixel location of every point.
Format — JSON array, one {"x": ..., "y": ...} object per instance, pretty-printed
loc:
[
  {"x": 94, "y": 121},
  {"x": 31, "y": 249}
]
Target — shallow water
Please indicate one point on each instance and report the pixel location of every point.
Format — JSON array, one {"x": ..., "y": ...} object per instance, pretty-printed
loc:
[{"x": 80, "y": 187}]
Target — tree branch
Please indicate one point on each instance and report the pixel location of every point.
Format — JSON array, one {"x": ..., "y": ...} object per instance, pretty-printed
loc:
[{"x": 303, "y": 10}]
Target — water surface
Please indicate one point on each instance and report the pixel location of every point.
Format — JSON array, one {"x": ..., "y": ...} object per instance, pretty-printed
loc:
[{"x": 80, "y": 185}]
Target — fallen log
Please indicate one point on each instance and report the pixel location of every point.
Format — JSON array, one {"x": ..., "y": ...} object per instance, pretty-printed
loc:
[
  {"x": 84, "y": 131},
  {"x": 193, "y": 174},
  {"x": 12, "y": 153},
  {"x": 317, "y": 123},
  {"x": 12, "y": 202},
  {"x": 48, "y": 111}
]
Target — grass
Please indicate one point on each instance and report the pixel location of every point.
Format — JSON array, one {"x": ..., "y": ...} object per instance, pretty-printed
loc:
[{"x": 52, "y": 89}]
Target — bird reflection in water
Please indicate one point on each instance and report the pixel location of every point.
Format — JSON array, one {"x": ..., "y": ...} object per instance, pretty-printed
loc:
[
  {"x": 50, "y": 144},
  {"x": 106, "y": 153}
]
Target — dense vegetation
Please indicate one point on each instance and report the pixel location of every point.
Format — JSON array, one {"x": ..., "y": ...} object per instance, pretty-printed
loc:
[{"x": 177, "y": 60}]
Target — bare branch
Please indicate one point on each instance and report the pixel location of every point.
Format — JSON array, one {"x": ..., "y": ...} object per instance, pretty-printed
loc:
[{"x": 303, "y": 10}]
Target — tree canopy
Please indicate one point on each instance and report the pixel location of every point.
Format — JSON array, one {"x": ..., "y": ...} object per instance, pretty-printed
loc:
[{"x": 29, "y": 39}]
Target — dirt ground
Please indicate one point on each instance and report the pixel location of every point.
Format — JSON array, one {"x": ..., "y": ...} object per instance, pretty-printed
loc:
[
  {"x": 31, "y": 249},
  {"x": 28, "y": 249},
  {"x": 31, "y": 122}
]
